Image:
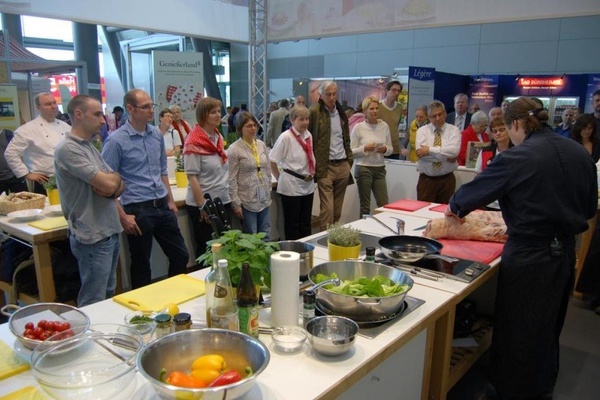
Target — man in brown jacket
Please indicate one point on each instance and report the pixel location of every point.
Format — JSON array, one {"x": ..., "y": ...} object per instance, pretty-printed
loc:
[{"x": 329, "y": 127}]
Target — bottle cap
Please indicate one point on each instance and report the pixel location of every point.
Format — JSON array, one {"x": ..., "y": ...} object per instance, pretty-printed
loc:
[
  {"x": 216, "y": 246},
  {"x": 370, "y": 251},
  {"x": 182, "y": 318},
  {"x": 162, "y": 318},
  {"x": 309, "y": 297}
]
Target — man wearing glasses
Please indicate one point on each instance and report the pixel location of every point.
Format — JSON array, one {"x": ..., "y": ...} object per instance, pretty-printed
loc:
[
  {"x": 146, "y": 209},
  {"x": 391, "y": 113}
]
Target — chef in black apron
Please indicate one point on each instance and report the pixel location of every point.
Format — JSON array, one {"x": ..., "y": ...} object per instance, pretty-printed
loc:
[{"x": 547, "y": 189}]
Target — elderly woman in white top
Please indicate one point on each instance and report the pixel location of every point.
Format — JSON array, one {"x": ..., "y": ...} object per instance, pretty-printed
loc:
[
  {"x": 293, "y": 154},
  {"x": 250, "y": 177},
  {"x": 370, "y": 140},
  {"x": 170, "y": 135}
]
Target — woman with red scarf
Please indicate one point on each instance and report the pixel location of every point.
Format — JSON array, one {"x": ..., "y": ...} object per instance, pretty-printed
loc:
[
  {"x": 207, "y": 169},
  {"x": 293, "y": 165}
]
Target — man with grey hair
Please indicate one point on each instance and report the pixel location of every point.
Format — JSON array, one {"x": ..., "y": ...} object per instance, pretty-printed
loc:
[
  {"x": 460, "y": 117},
  {"x": 328, "y": 124},
  {"x": 276, "y": 121},
  {"x": 475, "y": 132},
  {"x": 495, "y": 112},
  {"x": 30, "y": 154},
  {"x": 437, "y": 144},
  {"x": 564, "y": 128}
]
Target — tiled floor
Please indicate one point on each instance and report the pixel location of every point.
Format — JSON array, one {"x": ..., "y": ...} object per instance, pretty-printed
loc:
[{"x": 579, "y": 376}]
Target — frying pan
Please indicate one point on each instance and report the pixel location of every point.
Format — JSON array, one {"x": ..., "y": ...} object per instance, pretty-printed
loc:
[{"x": 409, "y": 249}]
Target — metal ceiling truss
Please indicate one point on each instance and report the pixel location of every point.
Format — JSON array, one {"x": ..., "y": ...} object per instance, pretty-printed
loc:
[{"x": 257, "y": 62}]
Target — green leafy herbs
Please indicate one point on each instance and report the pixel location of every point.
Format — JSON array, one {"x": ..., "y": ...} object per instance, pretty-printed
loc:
[
  {"x": 344, "y": 236},
  {"x": 239, "y": 247},
  {"x": 179, "y": 167},
  {"x": 50, "y": 183},
  {"x": 378, "y": 286},
  {"x": 140, "y": 319}
]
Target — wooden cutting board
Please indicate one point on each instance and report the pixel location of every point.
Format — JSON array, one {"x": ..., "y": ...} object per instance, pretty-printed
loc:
[
  {"x": 154, "y": 297},
  {"x": 10, "y": 362}
]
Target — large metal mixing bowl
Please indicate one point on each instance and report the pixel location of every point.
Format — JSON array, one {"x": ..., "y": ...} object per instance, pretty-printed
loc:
[
  {"x": 360, "y": 308},
  {"x": 177, "y": 351}
]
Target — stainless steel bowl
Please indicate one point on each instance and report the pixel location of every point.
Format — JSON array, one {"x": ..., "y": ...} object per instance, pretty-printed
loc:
[
  {"x": 305, "y": 250},
  {"x": 360, "y": 308},
  {"x": 178, "y": 350},
  {"x": 79, "y": 321},
  {"x": 331, "y": 335}
]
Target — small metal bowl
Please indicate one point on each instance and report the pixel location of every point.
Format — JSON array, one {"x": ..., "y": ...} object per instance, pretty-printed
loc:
[
  {"x": 289, "y": 339},
  {"x": 34, "y": 313},
  {"x": 332, "y": 335}
]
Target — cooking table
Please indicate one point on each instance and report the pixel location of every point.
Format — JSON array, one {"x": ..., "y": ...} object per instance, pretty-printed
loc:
[
  {"x": 367, "y": 369},
  {"x": 40, "y": 242}
]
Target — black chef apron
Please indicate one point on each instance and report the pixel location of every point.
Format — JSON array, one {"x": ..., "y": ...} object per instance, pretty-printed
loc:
[{"x": 534, "y": 285}]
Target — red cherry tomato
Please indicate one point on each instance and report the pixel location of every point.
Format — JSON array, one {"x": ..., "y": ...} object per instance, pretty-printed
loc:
[
  {"x": 31, "y": 337},
  {"x": 29, "y": 325},
  {"x": 42, "y": 324},
  {"x": 37, "y": 332}
]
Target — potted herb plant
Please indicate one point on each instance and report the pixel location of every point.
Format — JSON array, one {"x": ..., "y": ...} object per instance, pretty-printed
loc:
[
  {"x": 180, "y": 176},
  {"x": 52, "y": 190},
  {"x": 343, "y": 242},
  {"x": 239, "y": 247}
]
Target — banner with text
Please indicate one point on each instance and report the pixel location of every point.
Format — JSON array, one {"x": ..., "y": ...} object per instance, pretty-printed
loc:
[
  {"x": 9, "y": 107},
  {"x": 421, "y": 82},
  {"x": 178, "y": 80},
  {"x": 593, "y": 85},
  {"x": 483, "y": 92}
]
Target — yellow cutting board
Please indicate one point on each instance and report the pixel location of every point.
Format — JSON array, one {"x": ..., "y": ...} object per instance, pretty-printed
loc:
[
  {"x": 47, "y": 224},
  {"x": 10, "y": 362},
  {"x": 26, "y": 393},
  {"x": 154, "y": 297}
]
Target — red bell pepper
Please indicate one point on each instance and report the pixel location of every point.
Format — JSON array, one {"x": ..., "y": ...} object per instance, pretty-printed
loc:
[{"x": 226, "y": 378}]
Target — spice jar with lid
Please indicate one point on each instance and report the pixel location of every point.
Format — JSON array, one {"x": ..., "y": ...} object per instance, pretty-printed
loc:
[
  {"x": 309, "y": 298},
  {"x": 182, "y": 321},
  {"x": 163, "y": 325}
]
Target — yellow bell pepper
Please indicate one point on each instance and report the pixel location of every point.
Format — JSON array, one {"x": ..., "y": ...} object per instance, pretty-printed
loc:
[
  {"x": 213, "y": 362},
  {"x": 206, "y": 375}
]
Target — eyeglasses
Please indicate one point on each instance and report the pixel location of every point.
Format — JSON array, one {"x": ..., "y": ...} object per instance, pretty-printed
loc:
[
  {"x": 250, "y": 126},
  {"x": 147, "y": 107}
]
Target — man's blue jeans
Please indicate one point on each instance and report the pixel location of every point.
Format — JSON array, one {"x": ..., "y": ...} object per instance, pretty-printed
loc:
[{"x": 97, "y": 268}]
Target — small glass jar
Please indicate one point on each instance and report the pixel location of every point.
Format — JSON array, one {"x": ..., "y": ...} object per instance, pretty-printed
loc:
[
  {"x": 163, "y": 325},
  {"x": 182, "y": 321},
  {"x": 370, "y": 254}
]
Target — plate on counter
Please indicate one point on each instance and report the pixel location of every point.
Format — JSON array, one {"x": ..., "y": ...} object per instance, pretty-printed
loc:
[
  {"x": 54, "y": 211},
  {"x": 25, "y": 215}
]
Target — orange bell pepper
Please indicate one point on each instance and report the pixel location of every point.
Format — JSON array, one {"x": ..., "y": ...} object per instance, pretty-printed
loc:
[{"x": 181, "y": 379}]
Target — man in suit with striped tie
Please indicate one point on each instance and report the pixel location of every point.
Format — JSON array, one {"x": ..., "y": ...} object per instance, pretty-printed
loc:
[{"x": 437, "y": 144}]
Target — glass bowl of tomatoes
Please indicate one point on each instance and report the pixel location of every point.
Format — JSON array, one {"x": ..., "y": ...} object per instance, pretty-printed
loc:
[{"x": 47, "y": 323}]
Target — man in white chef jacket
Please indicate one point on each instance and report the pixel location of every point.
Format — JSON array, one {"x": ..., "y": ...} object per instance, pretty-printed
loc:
[{"x": 30, "y": 154}]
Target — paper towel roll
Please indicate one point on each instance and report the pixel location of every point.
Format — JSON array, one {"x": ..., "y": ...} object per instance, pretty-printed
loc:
[{"x": 285, "y": 272}]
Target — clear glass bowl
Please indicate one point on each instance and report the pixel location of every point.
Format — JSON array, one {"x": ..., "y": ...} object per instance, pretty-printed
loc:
[
  {"x": 98, "y": 364},
  {"x": 289, "y": 339}
]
